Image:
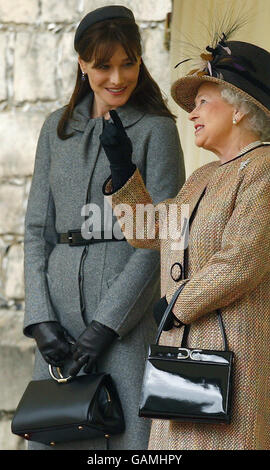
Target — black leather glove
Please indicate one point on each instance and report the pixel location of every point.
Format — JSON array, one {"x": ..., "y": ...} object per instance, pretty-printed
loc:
[
  {"x": 53, "y": 341},
  {"x": 118, "y": 148},
  {"x": 159, "y": 310},
  {"x": 95, "y": 339}
]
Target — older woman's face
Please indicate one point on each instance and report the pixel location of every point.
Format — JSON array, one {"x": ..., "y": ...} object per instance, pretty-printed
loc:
[{"x": 212, "y": 118}]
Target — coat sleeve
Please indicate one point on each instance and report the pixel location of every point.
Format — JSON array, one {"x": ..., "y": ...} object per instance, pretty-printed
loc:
[
  {"x": 39, "y": 237},
  {"x": 139, "y": 281},
  {"x": 165, "y": 176},
  {"x": 243, "y": 259}
]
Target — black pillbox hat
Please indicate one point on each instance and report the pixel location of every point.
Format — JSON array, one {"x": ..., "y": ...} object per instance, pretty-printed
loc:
[{"x": 101, "y": 14}]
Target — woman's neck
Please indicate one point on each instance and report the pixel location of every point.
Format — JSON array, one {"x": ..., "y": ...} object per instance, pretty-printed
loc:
[
  {"x": 235, "y": 147},
  {"x": 98, "y": 110}
]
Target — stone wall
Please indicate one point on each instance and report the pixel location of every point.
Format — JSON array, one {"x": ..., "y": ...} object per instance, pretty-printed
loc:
[{"x": 37, "y": 72}]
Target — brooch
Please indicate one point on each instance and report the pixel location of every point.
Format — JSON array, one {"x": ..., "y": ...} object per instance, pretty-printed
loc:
[{"x": 243, "y": 164}]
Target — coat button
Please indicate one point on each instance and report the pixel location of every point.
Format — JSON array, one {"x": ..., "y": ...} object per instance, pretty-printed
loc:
[{"x": 176, "y": 272}]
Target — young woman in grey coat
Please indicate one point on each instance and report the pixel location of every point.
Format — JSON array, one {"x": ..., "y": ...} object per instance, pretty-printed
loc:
[{"x": 100, "y": 291}]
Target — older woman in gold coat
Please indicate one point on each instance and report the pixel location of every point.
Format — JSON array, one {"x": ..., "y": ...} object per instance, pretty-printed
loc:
[{"x": 229, "y": 239}]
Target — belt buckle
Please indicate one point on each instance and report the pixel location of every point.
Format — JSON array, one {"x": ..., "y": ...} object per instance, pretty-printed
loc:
[{"x": 71, "y": 242}]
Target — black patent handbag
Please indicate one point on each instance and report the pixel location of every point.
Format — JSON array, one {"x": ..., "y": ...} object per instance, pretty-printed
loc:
[
  {"x": 184, "y": 384},
  {"x": 58, "y": 410}
]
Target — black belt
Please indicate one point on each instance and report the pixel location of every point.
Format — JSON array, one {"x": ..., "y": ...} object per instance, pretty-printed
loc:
[{"x": 75, "y": 238}]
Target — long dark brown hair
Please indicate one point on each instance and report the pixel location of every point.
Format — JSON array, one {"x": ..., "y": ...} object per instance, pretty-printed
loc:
[{"x": 98, "y": 44}]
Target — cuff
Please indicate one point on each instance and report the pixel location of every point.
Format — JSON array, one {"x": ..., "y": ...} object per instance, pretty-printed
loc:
[
  {"x": 108, "y": 188},
  {"x": 28, "y": 330}
]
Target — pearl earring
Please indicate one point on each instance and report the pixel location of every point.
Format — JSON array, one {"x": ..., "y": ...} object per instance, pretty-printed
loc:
[{"x": 234, "y": 121}]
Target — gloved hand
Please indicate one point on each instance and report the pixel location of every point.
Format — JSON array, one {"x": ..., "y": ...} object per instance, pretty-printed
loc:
[
  {"x": 95, "y": 339},
  {"x": 118, "y": 148},
  {"x": 53, "y": 341},
  {"x": 159, "y": 310}
]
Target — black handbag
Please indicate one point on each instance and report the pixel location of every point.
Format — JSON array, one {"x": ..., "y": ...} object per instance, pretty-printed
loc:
[
  {"x": 69, "y": 409},
  {"x": 183, "y": 384}
]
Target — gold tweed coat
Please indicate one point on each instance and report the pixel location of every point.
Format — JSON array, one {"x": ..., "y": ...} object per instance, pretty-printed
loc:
[{"x": 228, "y": 269}]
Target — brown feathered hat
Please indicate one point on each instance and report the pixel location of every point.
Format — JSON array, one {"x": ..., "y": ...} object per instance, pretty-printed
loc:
[{"x": 241, "y": 66}]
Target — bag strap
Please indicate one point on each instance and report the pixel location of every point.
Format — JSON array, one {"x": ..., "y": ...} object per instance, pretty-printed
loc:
[
  {"x": 178, "y": 292},
  {"x": 168, "y": 310},
  {"x": 187, "y": 327}
]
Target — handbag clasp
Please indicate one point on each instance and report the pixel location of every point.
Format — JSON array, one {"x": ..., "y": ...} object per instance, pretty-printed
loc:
[
  {"x": 183, "y": 356},
  {"x": 188, "y": 353},
  {"x": 195, "y": 351}
]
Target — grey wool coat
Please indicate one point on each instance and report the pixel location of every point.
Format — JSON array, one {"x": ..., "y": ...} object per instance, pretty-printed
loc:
[{"x": 110, "y": 282}]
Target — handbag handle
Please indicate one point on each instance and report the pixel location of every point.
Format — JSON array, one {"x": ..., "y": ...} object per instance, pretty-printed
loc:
[
  {"x": 186, "y": 331},
  {"x": 61, "y": 380},
  {"x": 168, "y": 310},
  {"x": 179, "y": 290}
]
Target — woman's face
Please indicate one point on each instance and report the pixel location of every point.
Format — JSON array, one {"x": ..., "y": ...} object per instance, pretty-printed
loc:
[
  {"x": 212, "y": 118},
  {"x": 112, "y": 82}
]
